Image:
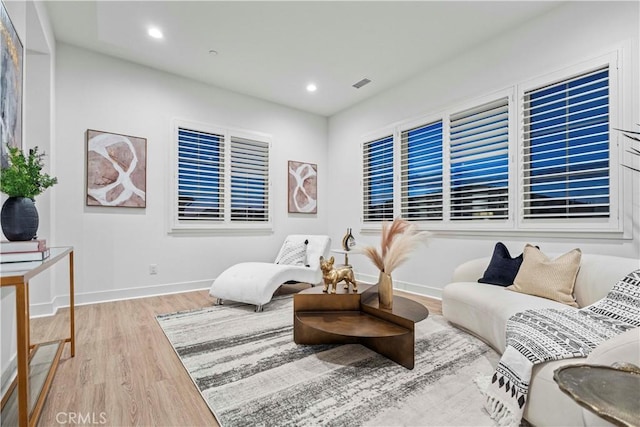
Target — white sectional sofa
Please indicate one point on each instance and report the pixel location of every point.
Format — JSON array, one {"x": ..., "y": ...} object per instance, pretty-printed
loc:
[{"x": 483, "y": 310}]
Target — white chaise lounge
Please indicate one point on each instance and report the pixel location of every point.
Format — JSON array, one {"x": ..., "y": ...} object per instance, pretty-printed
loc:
[{"x": 255, "y": 282}]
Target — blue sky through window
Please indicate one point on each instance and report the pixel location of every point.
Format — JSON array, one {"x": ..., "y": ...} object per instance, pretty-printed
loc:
[
  {"x": 424, "y": 160},
  {"x": 379, "y": 179},
  {"x": 249, "y": 180},
  {"x": 200, "y": 164},
  {"x": 479, "y": 166},
  {"x": 568, "y": 146},
  {"x": 422, "y": 163}
]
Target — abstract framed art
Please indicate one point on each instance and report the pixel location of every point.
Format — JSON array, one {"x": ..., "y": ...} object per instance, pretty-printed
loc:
[
  {"x": 303, "y": 187},
  {"x": 10, "y": 86},
  {"x": 116, "y": 170}
]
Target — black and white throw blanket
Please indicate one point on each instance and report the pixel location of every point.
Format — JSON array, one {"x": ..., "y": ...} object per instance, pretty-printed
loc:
[{"x": 541, "y": 335}]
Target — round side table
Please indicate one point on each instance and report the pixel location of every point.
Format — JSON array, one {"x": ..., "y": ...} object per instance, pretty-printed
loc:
[
  {"x": 345, "y": 253},
  {"x": 611, "y": 392}
]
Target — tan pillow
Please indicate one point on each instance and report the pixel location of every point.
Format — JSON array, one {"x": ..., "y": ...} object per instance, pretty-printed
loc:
[{"x": 551, "y": 279}]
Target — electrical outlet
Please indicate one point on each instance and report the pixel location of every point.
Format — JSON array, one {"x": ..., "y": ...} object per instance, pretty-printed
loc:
[{"x": 153, "y": 269}]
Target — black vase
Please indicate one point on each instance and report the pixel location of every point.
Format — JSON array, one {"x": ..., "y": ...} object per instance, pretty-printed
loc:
[{"x": 19, "y": 218}]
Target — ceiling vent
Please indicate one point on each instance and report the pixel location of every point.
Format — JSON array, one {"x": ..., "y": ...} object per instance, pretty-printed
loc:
[{"x": 361, "y": 83}]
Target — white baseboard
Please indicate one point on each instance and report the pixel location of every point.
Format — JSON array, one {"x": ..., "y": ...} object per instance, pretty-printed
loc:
[
  {"x": 413, "y": 288},
  {"x": 50, "y": 308}
]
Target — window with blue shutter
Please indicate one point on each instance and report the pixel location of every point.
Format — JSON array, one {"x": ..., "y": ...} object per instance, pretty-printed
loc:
[
  {"x": 479, "y": 162},
  {"x": 537, "y": 156},
  {"x": 249, "y": 180},
  {"x": 200, "y": 176},
  {"x": 223, "y": 179},
  {"x": 566, "y": 149},
  {"x": 378, "y": 180},
  {"x": 421, "y": 175}
]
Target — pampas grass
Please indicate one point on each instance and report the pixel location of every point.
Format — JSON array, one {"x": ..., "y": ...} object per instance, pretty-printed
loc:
[{"x": 398, "y": 239}]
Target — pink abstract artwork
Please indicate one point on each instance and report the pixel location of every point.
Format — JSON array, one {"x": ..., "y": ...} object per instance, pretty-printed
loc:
[
  {"x": 303, "y": 187},
  {"x": 116, "y": 170}
]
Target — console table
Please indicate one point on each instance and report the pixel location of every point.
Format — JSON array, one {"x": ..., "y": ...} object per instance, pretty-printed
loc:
[
  {"x": 36, "y": 364},
  {"x": 355, "y": 317}
]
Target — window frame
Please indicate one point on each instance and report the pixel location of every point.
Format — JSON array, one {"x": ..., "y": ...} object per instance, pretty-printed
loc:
[
  {"x": 217, "y": 192},
  {"x": 371, "y": 137},
  {"x": 225, "y": 225},
  {"x": 481, "y": 223},
  {"x": 241, "y": 137},
  {"x": 407, "y": 127},
  {"x": 446, "y": 224},
  {"x": 614, "y": 222},
  {"x": 515, "y": 224}
]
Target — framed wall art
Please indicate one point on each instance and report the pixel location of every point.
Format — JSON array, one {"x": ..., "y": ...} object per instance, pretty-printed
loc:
[
  {"x": 303, "y": 187},
  {"x": 116, "y": 170},
  {"x": 10, "y": 86}
]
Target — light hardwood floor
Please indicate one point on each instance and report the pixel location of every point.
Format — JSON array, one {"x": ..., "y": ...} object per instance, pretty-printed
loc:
[{"x": 125, "y": 372}]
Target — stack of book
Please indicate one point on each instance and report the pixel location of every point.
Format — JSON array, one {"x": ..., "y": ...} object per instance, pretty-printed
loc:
[{"x": 31, "y": 250}]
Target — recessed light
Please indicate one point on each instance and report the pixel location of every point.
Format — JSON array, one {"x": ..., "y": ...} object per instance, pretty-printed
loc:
[
  {"x": 213, "y": 52},
  {"x": 155, "y": 33},
  {"x": 311, "y": 87}
]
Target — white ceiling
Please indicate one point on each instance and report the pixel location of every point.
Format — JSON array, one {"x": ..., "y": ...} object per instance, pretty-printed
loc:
[{"x": 271, "y": 50}]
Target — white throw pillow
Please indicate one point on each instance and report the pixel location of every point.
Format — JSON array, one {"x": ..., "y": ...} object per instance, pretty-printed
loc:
[
  {"x": 293, "y": 253},
  {"x": 547, "y": 278}
]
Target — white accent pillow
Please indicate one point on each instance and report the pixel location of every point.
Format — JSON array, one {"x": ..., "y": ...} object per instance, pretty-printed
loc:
[
  {"x": 293, "y": 253},
  {"x": 547, "y": 278}
]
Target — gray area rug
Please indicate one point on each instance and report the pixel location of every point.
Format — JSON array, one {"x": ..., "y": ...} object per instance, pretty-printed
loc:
[{"x": 251, "y": 373}]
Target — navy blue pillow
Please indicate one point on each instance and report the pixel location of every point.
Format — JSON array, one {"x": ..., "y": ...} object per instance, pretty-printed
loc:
[{"x": 502, "y": 268}]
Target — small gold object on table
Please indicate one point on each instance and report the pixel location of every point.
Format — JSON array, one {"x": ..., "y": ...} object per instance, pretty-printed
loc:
[
  {"x": 611, "y": 392},
  {"x": 385, "y": 291},
  {"x": 348, "y": 241},
  {"x": 332, "y": 276}
]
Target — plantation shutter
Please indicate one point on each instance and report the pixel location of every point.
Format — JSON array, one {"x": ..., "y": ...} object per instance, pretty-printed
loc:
[
  {"x": 479, "y": 156},
  {"x": 249, "y": 180},
  {"x": 378, "y": 180},
  {"x": 421, "y": 173},
  {"x": 566, "y": 148},
  {"x": 200, "y": 176}
]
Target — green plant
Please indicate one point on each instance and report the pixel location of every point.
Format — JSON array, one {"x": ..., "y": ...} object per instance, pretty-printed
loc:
[
  {"x": 636, "y": 152},
  {"x": 24, "y": 177}
]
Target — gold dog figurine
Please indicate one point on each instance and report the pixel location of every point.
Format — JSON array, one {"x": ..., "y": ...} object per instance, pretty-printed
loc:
[{"x": 332, "y": 276}]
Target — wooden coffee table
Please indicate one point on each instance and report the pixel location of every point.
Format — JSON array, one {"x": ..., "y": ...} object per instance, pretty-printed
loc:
[{"x": 355, "y": 318}]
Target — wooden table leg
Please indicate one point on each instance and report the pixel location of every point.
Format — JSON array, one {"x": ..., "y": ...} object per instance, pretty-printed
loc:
[
  {"x": 28, "y": 315},
  {"x": 22, "y": 304},
  {"x": 400, "y": 349},
  {"x": 72, "y": 315}
]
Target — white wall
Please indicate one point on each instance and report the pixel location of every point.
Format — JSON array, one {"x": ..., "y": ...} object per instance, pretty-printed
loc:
[
  {"x": 115, "y": 246},
  {"x": 38, "y": 131},
  {"x": 31, "y": 22},
  {"x": 568, "y": 35}
]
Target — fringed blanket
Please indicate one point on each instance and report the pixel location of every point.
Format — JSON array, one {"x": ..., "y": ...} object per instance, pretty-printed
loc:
[{"x": 540, "y": 335}]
